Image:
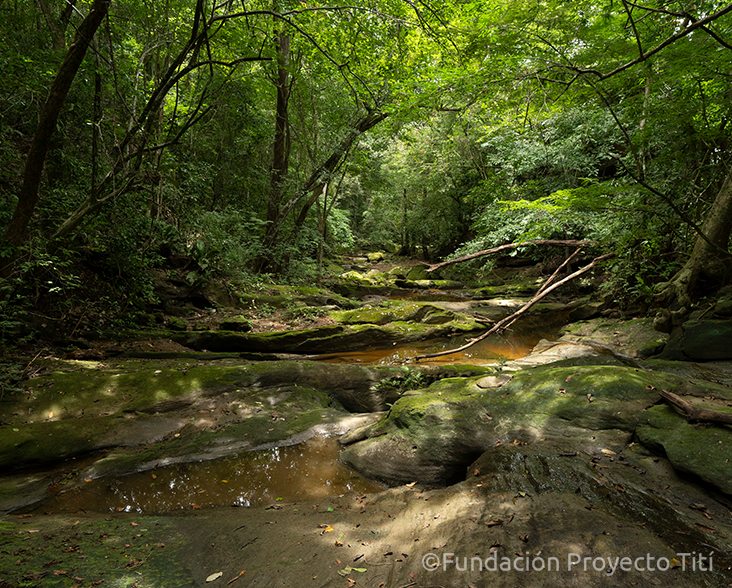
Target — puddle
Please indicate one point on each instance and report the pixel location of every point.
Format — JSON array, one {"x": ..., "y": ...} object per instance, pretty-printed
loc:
[{"x": 304, "y": 472}]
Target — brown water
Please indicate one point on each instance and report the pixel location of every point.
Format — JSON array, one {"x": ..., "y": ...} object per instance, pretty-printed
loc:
[
  {"x": 304, "y": 472},
  {"x": 488, "y": 351}
]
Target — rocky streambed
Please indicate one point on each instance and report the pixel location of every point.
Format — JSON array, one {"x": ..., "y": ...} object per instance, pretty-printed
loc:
[{"x": 565, "y": 466}]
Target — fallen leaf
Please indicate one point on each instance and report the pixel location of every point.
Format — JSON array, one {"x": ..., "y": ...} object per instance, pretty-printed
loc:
[
  {"x": 410, "y": 485},
  {"x": 608, "y": 451},
  {"x": 562, "y": 391},
  {"x": 215, "y": 576},
  {"x": 705, "y": 528},
  {"x": 524, "y": 538},
  {"x": 702, "y": 509},
  {"x": 347, "y": 570},
  {"x": 494, "y": 523},
  {"x": 568, "y": 378}
]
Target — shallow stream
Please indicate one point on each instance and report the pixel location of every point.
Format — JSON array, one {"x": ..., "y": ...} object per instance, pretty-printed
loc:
[{"x": 303, "y": 472}]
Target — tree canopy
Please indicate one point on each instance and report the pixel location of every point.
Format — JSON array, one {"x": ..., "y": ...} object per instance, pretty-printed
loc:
[{"x": 258, "y": 138}]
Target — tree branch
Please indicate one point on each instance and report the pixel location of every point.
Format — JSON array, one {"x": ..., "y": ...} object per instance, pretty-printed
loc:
[
  {"x": 505, "y": 323},
  {"x": 697, "y": 24},
  {"x": 569, "y": 242},
  {"x": 696, "y": 413}
]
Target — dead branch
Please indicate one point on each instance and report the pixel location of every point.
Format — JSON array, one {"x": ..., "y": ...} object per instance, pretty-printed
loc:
[
  {"x": 696, "y": 413},
  {"x": 505, "y": 323},
  {"x": 569, "y": 242},
  {"x": 559, "y": 269}
]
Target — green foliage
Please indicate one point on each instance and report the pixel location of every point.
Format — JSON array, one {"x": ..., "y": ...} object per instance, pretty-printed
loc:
[
  {"x": 224, "y": 244},
  {"x": 411, "y": 380},
  {"x": 11, "y": 375},
  {"x": 340, "y": 235}
]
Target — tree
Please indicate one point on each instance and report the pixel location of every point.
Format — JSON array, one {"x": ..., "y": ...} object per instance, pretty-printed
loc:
[
  {"x": 661, "y": 73},
  {"x": 28, "y": 195}
]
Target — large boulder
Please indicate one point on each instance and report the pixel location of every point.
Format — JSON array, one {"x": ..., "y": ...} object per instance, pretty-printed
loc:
[
  {"x": 706, "y": 340},
  {"x": 432, "y": 435}
]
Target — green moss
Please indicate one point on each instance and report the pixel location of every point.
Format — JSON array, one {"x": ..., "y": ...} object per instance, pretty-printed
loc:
[
  {"x": 694, "y": 448},
  {"x": 52, "y": 442}
]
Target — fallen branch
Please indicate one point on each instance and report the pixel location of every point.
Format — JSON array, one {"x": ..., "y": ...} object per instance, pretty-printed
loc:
[
  {"x": 567, "y": 242},
  {"x": 559, "y": 269},
  {"x": 505, "y": 323},
  {"x": 695, "y": 413}
]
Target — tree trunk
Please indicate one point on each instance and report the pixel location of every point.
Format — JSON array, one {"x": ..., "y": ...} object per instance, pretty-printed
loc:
[
  {"x": 28, "y": 195},
  {"x": 709, "y": 259},
  {"x": 281, "y": 151},
  {"x": 314, "y": 185},
  {"x": 281, "y": 148}
]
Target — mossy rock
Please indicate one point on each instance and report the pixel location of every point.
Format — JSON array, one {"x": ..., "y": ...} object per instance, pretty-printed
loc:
[
  {"x": 432, "y": 435},
  {"x": 414, "y": 312},
  {"x": 707, "y": 340},
  {"x": 419, "y": 272},
  {"x": 696, "y": 449},
  {"x": 239, "y": 324},
  {"x": 33, "y": 444},
  {"x": 375, "y": 257},
  {"x": 334, "y": 339},
  {"x": 177, "y": 324}
]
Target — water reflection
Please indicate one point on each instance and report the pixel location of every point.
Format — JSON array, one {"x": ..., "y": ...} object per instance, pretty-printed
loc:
[
  {"x": 308, "y": 471},
  {"x": 486, "y": 352}
]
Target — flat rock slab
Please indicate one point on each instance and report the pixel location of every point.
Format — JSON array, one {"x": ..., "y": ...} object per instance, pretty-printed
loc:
[{"x": 634, "y": 338}]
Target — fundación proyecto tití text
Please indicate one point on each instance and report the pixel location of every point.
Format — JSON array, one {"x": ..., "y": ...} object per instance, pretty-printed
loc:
[{"x": 693, "y": 561}]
